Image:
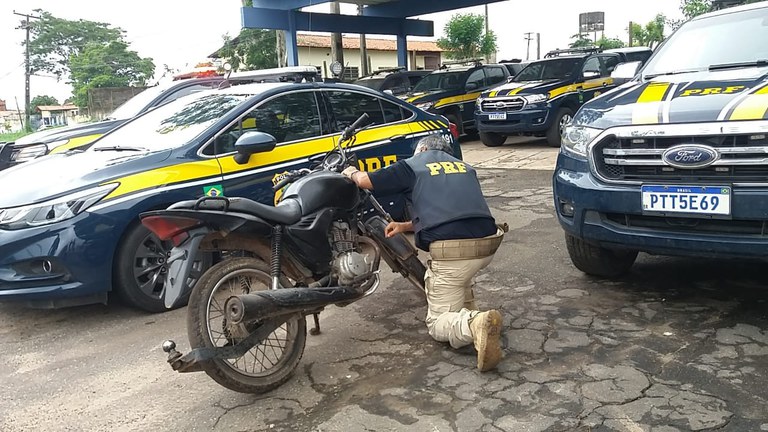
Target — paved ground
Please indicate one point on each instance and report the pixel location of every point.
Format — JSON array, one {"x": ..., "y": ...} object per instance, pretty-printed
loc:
[{"x": 676, "y": 345}]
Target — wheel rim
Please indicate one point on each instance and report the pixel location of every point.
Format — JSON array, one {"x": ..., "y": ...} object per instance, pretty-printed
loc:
[
  {"x": 263, "y": 359},
  {"x": 150, "y": 266},
  {"x": 564, "y": 121}
]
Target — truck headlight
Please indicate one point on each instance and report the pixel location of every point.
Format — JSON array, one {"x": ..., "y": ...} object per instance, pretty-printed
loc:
[
  {"x": 576, "y": 139},
  {"x": 53, "y": 211},
  {"x": 425, "y": 105},
  {"x": 27, "y": 153},
  {"x": 535, "y": 98}
]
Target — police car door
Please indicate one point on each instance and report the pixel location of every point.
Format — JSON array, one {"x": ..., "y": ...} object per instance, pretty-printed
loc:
[
  {"x": 596, "y": 80},
  {"x": 293, "y": 118}
]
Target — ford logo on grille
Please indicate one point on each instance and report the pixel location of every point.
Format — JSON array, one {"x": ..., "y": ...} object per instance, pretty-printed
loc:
[{"x": 690, "y": 156}]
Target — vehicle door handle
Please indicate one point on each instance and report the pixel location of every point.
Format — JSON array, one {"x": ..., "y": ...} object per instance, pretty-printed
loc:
[{"x": 396, "y": 137}]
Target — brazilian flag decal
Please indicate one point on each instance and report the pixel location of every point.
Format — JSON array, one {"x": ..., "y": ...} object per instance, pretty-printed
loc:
[{"x": 213, "y": 190}]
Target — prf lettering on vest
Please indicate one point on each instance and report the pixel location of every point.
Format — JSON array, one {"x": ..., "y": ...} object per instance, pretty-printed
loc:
[
  {"x": 712, "y": 90},
  {"x": 436, "y": 168}
]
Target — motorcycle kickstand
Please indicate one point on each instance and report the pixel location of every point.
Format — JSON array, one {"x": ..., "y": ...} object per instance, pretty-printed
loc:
[{"x": 316, "y": 329}]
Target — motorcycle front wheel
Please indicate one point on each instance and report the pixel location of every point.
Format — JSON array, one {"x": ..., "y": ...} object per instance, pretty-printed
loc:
[{"x": 267, "y": 365}]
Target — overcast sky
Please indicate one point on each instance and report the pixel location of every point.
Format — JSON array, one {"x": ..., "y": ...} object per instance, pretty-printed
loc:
[{"x": 183, "y": 33}]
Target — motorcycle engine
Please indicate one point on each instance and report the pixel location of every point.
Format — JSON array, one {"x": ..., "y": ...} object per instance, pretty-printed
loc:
[{"x": 348, "y": 264}]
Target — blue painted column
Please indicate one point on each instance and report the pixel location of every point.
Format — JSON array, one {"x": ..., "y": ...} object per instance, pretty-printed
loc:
[
  {"x": 402, "y": 50},
  {"x": 291, "y": 47}
]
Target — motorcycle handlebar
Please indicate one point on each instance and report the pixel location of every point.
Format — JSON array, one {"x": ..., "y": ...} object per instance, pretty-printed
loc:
[
  {"x": 363, "y": 120},
  {"x": 282, "y": 183}
]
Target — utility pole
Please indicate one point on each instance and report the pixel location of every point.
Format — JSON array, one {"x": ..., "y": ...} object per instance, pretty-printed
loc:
[
  {"x": 538, "y": 46},
  {"x": 528, "y": 38},
  {"x": 363, "y": 49},
  {"x": 630, "y": 33},
  {"x": 337, "y": 44},
  {"x": 492, "y": 58},
  {"x": 27, "y": 71}
]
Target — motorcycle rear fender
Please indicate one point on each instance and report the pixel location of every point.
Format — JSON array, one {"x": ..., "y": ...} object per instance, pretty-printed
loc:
[
  {"x": 180, "y": 262},
  {"x": 217, "y": 220}
]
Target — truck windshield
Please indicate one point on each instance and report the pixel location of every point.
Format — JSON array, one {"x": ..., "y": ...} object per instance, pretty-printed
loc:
[
  {"x": 548, "y": 70},
  {"x": 732, "y": 38},
  {"x": 373, "y": 83},
  {"x": 439, "y": 81}
]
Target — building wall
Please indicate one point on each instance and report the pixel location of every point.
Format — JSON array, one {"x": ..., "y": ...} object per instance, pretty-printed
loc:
[{"x": 378, "y": 59}]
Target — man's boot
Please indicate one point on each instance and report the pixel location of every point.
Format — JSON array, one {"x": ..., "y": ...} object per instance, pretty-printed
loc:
[{"x": 486, "y": 333}]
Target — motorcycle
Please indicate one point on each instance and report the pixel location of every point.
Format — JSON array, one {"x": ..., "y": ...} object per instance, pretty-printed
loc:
[{"x": 321, "y": 245}]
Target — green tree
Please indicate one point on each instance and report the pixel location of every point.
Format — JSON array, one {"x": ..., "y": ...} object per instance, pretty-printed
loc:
[
  {"x": 251, "y": 49},
  {"x": 610, "y": 43},
  {"x": 465, "y": 37},
  {"x": 41, "y": 100},
  {"x": 53, "y": 41},
  {"x": 651, "y": 34},
  {"x": 110, "y": 65},
  {"x": 581, "y": 40}
]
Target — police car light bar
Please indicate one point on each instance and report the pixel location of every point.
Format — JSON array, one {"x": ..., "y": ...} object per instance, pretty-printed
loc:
[{"x": 290, "y": 73}]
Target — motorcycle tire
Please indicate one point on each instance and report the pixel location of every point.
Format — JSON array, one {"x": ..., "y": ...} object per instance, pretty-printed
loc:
[{"x": 230, "y": 373}]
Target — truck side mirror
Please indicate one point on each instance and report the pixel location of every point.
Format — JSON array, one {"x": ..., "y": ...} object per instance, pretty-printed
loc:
[{"x": 625, "y": 72}]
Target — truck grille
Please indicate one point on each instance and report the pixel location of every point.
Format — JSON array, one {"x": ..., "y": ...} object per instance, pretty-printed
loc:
[
  {"x": 691, "y": 225},
  {"x": 502, "y": 104},
  {"x": 743, "y": 158}
]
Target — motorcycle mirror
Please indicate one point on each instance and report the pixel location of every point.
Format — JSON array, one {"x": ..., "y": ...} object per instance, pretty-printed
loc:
[{"x": 253, "y": 142}]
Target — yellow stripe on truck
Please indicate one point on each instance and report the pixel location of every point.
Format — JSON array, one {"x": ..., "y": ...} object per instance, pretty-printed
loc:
[
  {"x": 75, "y": 143},
  {"x": 457, "y": 99},
  {"x": 648, "y": 106},
  {"x": 753, "y": 107}
]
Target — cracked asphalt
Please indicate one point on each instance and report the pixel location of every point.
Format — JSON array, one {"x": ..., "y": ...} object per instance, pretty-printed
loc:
[{"x": 677, "y": 345}]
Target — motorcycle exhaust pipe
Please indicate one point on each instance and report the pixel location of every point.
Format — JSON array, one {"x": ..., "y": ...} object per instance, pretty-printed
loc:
[{"x": 269, "y": 304}]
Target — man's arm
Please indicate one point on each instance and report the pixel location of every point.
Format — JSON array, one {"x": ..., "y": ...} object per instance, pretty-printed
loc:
[{"x": 360, "y": 178}]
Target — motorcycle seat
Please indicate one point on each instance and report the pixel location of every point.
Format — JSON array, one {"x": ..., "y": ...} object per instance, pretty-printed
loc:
[{"x": 288, "y": 212}]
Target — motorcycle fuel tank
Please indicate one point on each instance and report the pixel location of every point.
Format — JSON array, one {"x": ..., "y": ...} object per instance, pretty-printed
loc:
[{"x": 324, "y": 189}]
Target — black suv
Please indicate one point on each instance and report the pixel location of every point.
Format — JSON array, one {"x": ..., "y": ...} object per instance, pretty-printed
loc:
[
  {"x": 397, "y": 81},
  {"x": 544, "y": 96},
  {"x": 452, "y": 90}
]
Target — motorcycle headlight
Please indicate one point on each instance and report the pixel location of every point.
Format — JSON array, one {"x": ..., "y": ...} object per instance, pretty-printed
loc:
[
  {"x": 27, "y": 153},
  {"x": 425, "y": 106},
  {"x": 577, "y": 138},
  {"x": 535, "y": 98},
  {"x": 53, "y": 211}
]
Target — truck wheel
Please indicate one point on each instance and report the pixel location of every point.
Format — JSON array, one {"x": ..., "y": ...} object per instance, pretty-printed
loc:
[
  {"x": 563, "y": 117},
  {"x": 597, "y": 261},
  {"x": 491, "y": 139}
]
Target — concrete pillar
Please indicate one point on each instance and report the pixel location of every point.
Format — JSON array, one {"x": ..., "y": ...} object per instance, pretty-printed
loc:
[
  {"x": 291, "y": 47},
  {"x": 402, "y": 50}
]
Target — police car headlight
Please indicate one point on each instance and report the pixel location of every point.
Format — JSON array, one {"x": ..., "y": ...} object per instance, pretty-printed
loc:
[
  {"x": 535, "y": 98},
  {"x": 575, "y": 139},
  {"x": 425, "y": 106},
  {"x": 53, "y": 211},
  {"x": 27, "y": 153}
]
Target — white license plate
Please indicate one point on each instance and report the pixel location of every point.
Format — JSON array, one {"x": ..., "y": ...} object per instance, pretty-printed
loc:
[
  {"x": 497, "y": 116},
  {"x": 708, "y": 200}
]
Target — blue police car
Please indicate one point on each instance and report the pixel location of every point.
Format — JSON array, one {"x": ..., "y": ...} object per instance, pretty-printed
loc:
[{"x": 69, "y": 227}]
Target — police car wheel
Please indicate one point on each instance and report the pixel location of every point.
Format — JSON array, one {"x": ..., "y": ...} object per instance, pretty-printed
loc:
[
  {"x": 554, "y": 133},
  {"x": 491, "y": 139},
  {"x": 140, "y": 268},
  {"x": 598, "y": 261}
]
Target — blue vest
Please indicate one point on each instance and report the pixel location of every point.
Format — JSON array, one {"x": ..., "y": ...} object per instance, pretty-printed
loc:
[{"x": 446, "y": 190}]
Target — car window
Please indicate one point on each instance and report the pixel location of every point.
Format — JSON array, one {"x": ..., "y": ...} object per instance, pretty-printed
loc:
[
  {"x": 392, "y": 112},
  {"x": 174, "y": 124},
  {"x": 348, "y": 106},
  {"x": 398, "y": 84},
  {"x": 188, "y": 90},
  {"x": 290, "y": 117},
  {"x": 414, "y": 79},
  {"x": 558, "y": 69},
  {"x": 439, "y": 81},
  {"x": 592, "y": 65},
  {"x": 495, "y": 75},
  {"x": 477, "y": 77},
  {"x": 609, "y": 64},
  {"x": 640, "y": 56}
]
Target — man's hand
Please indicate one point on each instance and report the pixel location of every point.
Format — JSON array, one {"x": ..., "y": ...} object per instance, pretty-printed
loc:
[
  {"x": 394, "y": 228},
  {"x": 350, "y": 171}
]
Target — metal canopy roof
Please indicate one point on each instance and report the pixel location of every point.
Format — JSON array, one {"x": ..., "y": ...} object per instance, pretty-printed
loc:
[{"x": 381, "y": 8}]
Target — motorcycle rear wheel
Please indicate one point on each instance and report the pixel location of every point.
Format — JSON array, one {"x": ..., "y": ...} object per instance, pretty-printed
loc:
[{"x": 267, "y": 365}]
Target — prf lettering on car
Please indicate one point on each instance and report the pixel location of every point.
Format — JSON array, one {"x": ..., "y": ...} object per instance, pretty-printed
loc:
[
  {"x": 712, "y": 90},
  {"x": 436, "y": 168}
]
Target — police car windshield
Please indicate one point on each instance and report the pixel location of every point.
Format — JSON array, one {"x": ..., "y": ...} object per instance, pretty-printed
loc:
[
  {"x": 172, "y": 125},
  {"x": 133, "y": 106},
  {"x": 717, "y": 40},
  {"x": 439, "y": 81},
  {"x": 556, "y": 69}
]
